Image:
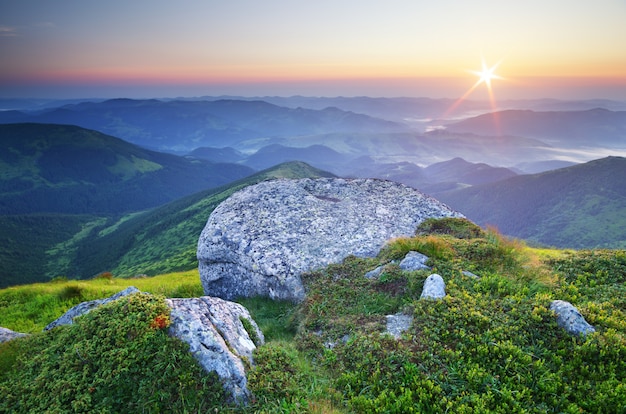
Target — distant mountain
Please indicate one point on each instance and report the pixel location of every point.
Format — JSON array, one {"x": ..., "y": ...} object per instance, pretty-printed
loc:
[
  {"x": 590, "y": 128},
  {"x": 418, "y": 148},
  {"x": 67, "y": 169},
  {"x": 583, "y": 206},
  {"x": 185, "y": 125},
  {"x": 534, "y": 167},
  {"x": 319, "y": 156},
  {"x": 225, "y": 154},
  {"x": 436, "y": 178},
  {"x": 418, "y": 111},
  {"x": 458, "y": 170},
  {"x": 38, "y": 247}
]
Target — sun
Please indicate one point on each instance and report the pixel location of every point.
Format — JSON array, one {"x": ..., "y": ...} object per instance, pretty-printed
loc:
[{"x": 487, "y": 74}]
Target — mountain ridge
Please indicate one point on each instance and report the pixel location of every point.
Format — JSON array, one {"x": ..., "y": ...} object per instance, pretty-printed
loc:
[
  {"x": 577, "y": 207},
  {"x": 67, "y": 169}
]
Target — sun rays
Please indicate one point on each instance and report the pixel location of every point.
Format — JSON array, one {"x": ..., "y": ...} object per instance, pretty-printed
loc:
[{"x": 485, "y": 76}]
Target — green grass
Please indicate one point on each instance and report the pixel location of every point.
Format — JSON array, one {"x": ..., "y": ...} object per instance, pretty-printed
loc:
[
  {"x": 29, "y": 308},
  {"x": 490, "y": 346}
]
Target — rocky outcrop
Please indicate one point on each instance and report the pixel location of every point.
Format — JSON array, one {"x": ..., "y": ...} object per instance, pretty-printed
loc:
[
  {"x": 218, "y": 338},
  {"x": 434, "y": 287},
  {"x": 221, "y": 335},
  {"x": 7, "y": 334},
  {"x": 260, "y": 240},
  {"x": 82, "y": 308},
  {"x": 568, "y": 318}
]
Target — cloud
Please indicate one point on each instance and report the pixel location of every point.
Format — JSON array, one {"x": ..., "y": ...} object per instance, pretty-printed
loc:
[{"x": 8, "y": 31}]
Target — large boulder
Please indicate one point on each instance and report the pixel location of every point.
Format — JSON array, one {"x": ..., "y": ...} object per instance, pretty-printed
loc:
[{"x": 261, "y": 239}]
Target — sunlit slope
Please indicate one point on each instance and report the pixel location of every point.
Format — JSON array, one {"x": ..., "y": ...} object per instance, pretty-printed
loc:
[
  {"x": 155, "y": 241},
  {"x": 582, "y": 206}
]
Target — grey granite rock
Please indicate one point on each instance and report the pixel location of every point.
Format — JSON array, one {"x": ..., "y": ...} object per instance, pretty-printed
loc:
[
  {"x": 7, "y": 334},
  {"x": 261, "y": 239},
  {"x": 568, "y": 318},
  {"x": 218, "y": 339},
  {"x": 434, "y": 287}
]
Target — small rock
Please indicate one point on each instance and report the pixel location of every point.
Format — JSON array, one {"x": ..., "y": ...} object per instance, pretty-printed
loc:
[
  {"x": 470, "y": 274},
  {"x": 373, "y": 274},
  {"x": 398, "y": 323},
  {"x": 568, "y": 318},
  {"x": 434, "y": 287},
  {"x": 7, "y": 334},
  {"x": 414, "y": 261}
]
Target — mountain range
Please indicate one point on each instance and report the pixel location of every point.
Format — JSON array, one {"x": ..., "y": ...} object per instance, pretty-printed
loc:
[
  {"x": 68, "y": 169},
  {"x": 578, "y": 206},
  {"x": 185, "y": 125},
  {"x": 571, "y": 129},
  {"x": 388, "y": 130},
  {"x": 581, "y": 206},
  {"x": 77, "y": 201}
]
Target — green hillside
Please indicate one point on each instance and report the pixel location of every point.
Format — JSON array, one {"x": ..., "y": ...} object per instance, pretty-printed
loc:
[
  {"x": 492, "y": 345},
  {"x": 70, "y": 170},
  {"x": 160, "y": 240},
  {"x": 583, "y": 206}
]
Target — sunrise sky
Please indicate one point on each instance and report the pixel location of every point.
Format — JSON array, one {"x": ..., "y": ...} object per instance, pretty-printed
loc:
[{"x": 159, "y": 48}]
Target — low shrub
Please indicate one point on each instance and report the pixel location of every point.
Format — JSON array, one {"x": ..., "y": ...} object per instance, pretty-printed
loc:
[
  {"x": 117, "y": 358},
  {"x": 276, "y": 377},
  {"x": 459, "y": 228}
]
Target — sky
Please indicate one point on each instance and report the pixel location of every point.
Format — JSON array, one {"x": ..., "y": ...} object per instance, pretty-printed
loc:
[{"x": 567, "y": 49}]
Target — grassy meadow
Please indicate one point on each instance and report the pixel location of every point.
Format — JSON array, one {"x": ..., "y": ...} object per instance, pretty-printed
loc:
[{"x": 490, "y": 346}]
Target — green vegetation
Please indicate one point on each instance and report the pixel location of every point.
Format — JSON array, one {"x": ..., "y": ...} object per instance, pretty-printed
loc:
[
  {"x": 66, "y": 169},
  {"x": 576, "y": 207},
  {"x": 157, "y": 241},
  {"x": 117, "y": 358},
  {"x": 491, "y": 345},
  {"x": 29, "y": 308}
]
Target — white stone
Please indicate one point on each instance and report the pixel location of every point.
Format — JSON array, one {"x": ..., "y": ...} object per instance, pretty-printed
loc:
[
  {"x": 398, "y": 324},
  {"x": 434, "y": 287},
  {"x": 217, "y": 339},
  {"x": 7, "y": 334}
]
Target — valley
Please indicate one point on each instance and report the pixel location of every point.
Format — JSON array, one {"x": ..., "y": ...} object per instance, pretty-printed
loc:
[{"x": 77, "y": 201}]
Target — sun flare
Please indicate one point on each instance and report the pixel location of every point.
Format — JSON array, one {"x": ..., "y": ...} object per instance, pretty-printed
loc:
[{"x": 487, "y": 74}]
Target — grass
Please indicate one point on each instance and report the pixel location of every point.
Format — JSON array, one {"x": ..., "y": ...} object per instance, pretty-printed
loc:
[
  {"x": 491, "y": 345},
  {"x": 29, "y": 308}
]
